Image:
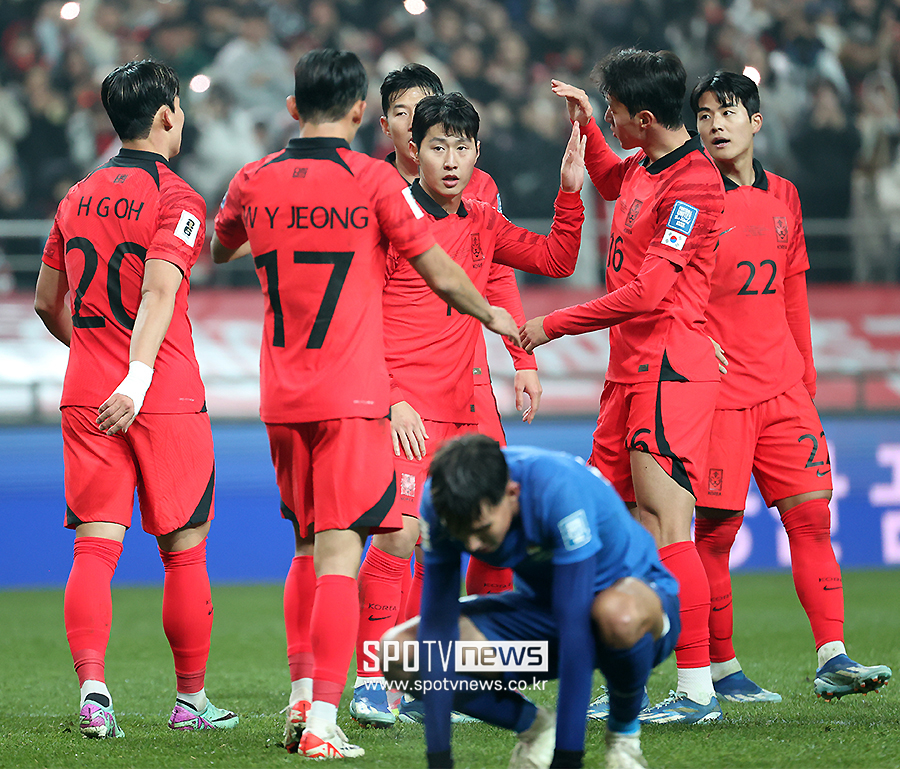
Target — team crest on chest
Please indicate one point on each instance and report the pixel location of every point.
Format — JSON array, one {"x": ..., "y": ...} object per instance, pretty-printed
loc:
[
  {"x": 477, "y": 251},
  {"x": 633, "y": 212},
  {"x": 781, "y": 229}
]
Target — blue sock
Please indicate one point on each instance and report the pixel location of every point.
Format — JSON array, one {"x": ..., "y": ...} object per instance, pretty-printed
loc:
[{"x": 626, "y": 672}]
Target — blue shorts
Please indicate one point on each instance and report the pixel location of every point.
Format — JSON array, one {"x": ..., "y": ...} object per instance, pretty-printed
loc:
[{"x": 516, "y": 616}]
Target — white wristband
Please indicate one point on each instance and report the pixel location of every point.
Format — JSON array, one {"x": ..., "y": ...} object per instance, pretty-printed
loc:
[{"x": 136, "y": 383}]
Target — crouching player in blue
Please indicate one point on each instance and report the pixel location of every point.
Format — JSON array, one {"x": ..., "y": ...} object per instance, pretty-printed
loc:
[{"x": 588, "y": 581}]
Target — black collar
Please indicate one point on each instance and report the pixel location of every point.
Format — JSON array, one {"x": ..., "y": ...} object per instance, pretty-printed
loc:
[
  {"x": 317, "y": 143},
  {"x": 431, "y": 205},
  {"x": 667, "y": 161},
  {"x": 142, "y": 159},
  {"x": 142, "y": 156},
  {"x": 760, "y": 180}
]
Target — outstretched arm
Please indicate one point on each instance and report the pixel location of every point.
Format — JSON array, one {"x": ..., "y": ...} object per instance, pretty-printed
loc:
[
  {"x": 450, "y": 282},
  {"x": 606, "y": 169},
  {"x": 643, "y": 294}
]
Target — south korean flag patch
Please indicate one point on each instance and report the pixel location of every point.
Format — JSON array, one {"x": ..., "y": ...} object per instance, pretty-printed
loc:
[
  {"x": 187, "y": 228},
  {"x": 575, "y": 530},
  {"x": 681, "y": 222}
]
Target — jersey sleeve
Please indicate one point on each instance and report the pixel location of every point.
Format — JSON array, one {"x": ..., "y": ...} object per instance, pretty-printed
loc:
[
  {"x": 565, "y": 524},
  {"x": 572, "y": 598},
  {"x": 796, "y": 307},
  {"x": 439, "y": 624},
  {"x": 643, "y": 294},
  {"x": 229, "y": 223},
  {"x": 797, "y": 258},
  {"x": 399, "y": 216},
  {"x": 687, "y": 216},
  {"x": 606, "y": 169},
  {"x": 553, "y": 255},
  {"x": 54, "y": 249},
  {"x": 503, "y": 291},
  {"x": 181, "y": 228}
]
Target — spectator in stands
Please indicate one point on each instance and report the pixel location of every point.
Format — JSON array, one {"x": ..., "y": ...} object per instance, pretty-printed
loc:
[{"x": 254, "y": 68}]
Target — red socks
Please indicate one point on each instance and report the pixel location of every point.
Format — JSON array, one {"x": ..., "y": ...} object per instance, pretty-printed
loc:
[
  {"x": 482, "y": 579},
  {"x": 817, "y": 576},
  {"x": 414, "y": 599},
  {"x": 299, "y": 594},
  {"x": 333, "y": 627},
  {"x": 87, "y": 606},
  {"x": 681, "y": 558},
  {"x": 187, "y": 614},
  {"x": 380, "y": 580},
  {"x": 714, "y": 538}
]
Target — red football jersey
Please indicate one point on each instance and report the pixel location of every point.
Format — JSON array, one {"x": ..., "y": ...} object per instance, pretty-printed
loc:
[
  {"x": 129, "y": 210},
  {"x": 501, "y": 290},
  {"x": 429, "y": 347},
  {"x": 761, "y": 245},
  {"x": 319, "y": 217},
  {"x": 668, "y": 209}
]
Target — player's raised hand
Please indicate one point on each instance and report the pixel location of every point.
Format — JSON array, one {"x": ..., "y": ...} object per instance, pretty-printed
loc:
[
  {"x": 116, "y": 413},
  {"x": 571, "y": 174},
  {"x": 532, "y": 334},
  {"x": 528, "y": 382},
  {"x": 407, "y": 431},
  {"x": 502, "y": 323},
  {"x": 577, "y": 101}
]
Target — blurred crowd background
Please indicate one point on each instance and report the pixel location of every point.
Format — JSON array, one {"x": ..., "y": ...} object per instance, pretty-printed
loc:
[{"x": 828, "y": 77}]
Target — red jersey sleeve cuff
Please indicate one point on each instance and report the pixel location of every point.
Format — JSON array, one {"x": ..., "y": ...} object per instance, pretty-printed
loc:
[{"x": 568, "y": 199}]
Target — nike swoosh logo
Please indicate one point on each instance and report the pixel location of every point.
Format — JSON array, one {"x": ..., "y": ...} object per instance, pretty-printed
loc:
[
  {"x": 721, "y": 608},
  {"x": 375, "y": 619},
  {"x": 836, "y": 587},
  {"x": 820, "y": 473},
  {"x": 725, "y": 232}
]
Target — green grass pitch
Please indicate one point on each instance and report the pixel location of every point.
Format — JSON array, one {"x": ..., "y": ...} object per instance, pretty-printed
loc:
[{"x": 248, "y": 672}]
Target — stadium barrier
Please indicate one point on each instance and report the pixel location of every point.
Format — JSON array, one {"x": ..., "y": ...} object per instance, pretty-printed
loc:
[{"x": 250, "y": 543}]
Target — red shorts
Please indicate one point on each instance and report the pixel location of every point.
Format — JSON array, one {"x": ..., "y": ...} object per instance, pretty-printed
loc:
[
  {"x": 168, "y": 458},
  {"x": 487, "y": 413},
  {"x": 411, "y": 473},
  {"x": 670, "y": 420},
  {"x": 780, "y": 440},
  {"x": 335, "y": 474}
]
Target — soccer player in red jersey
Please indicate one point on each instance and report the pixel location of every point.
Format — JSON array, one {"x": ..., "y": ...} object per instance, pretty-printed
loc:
[
  {"x": 318, "y": 218},
  {"x": 124, "y": 240},
  {"x": 657, "y": 404},
  {"x": 430, "y": 350},
  {"x": 401, "y": 91},
  {"x": 765, "y": 420}
]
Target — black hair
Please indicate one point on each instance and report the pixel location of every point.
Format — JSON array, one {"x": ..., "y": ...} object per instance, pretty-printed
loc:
[
  {"x": 464, "y": 472},
  {"x": 133, "y": 93},
  {"x": 643, "y": 80},
  {"x": 453, "y": 111},
  {"x": 327, "y": 83},
  {"x": 409, "y": 76},
  {"x": 729, "y": 88}
]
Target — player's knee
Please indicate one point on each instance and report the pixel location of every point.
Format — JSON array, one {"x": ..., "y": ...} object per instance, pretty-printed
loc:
[
  {"x": 619, "y": 619},
  {"x": 808, "y": 520}
]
